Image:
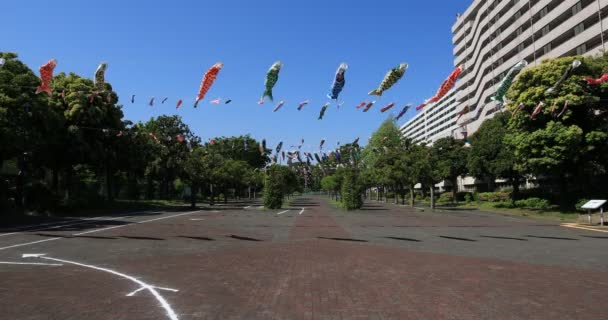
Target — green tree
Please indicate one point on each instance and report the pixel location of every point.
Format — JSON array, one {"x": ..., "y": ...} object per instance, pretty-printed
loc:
[
  {"x": 449, "y": 158},
  {"x": 26, "y": 123},
  {"x": 280, "y": 181},
  {"x": 170, "y": 155},
  {"x": 490, "y": 157},
  {"x": 568, "y": 147}
]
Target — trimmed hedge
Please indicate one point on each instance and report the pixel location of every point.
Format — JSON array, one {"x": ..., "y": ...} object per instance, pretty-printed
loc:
[{"x": 352, "y": 190}]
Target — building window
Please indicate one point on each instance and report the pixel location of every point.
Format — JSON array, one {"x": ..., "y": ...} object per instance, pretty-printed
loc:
[
  {"x": 580, "y": 50},
  {"x": 579, "y": 28},
  {"x": 577, "y": 8},
  {"x": 499, "y": 46},
  {"x": 519, "y": 31},
  {"x": 520, "y": 47},
  {"x": 544, "y": 11},
  {"x": 517, "y": 15},
  {"x": 546, "y": 30},
  {"x": 547, "y": 48}
]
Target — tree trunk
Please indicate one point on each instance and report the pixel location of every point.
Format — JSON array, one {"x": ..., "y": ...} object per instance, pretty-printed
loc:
[
  {"x": 432, "y": 196},
  {"x": 515, "y": 184},
  {"x": 20, "y": 183},
  {"x": 193, "y": 192},
  {"x": 412, "y": 196},
  {"x": 396, "y": 196},
  {"x": 109, "y": 194},
  {"x": 55, "y": 182},
  {"x": 454, "y": 190},
  {"x": 563, "y": 192},
  {"x": 377, "y": 193},
  {"x": 211, "y": 195}
]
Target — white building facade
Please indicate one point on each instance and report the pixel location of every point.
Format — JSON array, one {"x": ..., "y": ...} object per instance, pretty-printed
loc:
[{"x": 490, "y": 38}]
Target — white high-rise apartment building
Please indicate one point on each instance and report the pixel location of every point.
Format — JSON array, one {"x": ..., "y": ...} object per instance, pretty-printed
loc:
[{"x": 491, "y": 37}]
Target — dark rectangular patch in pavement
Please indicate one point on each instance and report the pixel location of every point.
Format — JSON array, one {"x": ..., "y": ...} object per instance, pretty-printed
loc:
[
  {"x": 197, "y": 238},
  {"x": 342, "y": 239},
  {"x": 547, "y": 237},
  {"x": 96, "y": 237},
  {"x": 457, "y": 238},
  {"x": 52, "y": 235},
  {"x": 506, "y": 238},
  {"x": 141, "y": 238},
  {"x": 243, "y": 238},
  {"x": 595, "y": 237},
  {"x": 404, "y": 239}
]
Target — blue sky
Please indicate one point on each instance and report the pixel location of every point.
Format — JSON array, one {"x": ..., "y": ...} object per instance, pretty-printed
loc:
[{"x": 162, "y": 48}]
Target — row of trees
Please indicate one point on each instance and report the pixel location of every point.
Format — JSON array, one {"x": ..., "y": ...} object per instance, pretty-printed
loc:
[
  {"x": 565, "y": 153},
  {"x": 74, "y": 147}
]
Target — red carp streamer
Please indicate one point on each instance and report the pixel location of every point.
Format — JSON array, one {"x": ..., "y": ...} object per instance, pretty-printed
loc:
[
  {"x": 446, "y": 86},
  {"x": 46, "y": 76},
  {"x": 390, "y": 105},
  {"x": 361, "y": 105},
  {"x": 595, "y": 82},
  {"x": 537, "y": 110},
  {"x": 154, "y": 138},
  {"x": 179, "y": 103},
  {"x": 207, "y": 81}
]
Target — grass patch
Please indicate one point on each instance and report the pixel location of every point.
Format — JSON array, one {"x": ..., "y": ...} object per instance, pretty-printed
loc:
[
  {"x": 336, "y": 204},
  {"x": 550, "y": 214}
]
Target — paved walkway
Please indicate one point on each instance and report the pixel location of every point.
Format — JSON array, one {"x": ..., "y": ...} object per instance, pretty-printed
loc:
[{"x": 380, "y": 262}]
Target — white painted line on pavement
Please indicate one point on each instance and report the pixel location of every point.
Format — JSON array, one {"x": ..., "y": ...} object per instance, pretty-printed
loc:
[
  {"x": 97, "y": 230},
  {"x": 280, "y": 213},
  {"x": 31, "y": 263},
  {"x": 164, "y": 304},
  {"x": 247, "y": 207},
  {"x": 301, "y": 211},
  {"x": 66, "y": 224},
  {"x": 196, "y": 219},
  {"x": 143, "y": 288}
]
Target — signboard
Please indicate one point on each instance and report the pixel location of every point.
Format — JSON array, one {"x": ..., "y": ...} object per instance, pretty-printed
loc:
[{"x": 593, "y": 204}]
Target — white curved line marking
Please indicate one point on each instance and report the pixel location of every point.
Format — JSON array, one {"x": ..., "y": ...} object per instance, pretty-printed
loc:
[
  {"x": 31, "y": 263},
  {"x": 170, "y": 313},
  {"x": 280, "y": 213},
  {"x": 301, "y": 211}
]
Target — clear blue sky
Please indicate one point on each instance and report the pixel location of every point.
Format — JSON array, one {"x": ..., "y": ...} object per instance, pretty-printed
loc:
[{"x": 162, "y": 48}]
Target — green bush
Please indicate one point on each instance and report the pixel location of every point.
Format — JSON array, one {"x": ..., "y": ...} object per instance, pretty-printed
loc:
[
  {"x": 533, "y": 203},
  {"x": 580, "y": 203},
  {"x": 40, "y": 197},
  {"x": 273, "y": 191},
  {"x": 462, "y": 196},
  {"x": 468, "y": 197},
  {"x": 493, "y": 196},
  {"x": 352, "y": 190},
  {"x": 504, "y": 205},
  {"x": 445, "y": 197}
]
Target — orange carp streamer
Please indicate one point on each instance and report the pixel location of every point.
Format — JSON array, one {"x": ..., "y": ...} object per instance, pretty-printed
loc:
[
  {"x": 46, "y": 76},
  {"x": 207, "y": 82}
]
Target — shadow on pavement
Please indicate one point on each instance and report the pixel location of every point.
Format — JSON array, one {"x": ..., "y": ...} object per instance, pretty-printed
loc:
[
  {"x": 141, "y": 238},
  {"x": 403, "y": 239},
  {"x": 505, "y": 238},
  {"x": 197, "y": 238},
  {"x": 458, "y": 238},
  {"x": 547, "y": 237},
  {"x": 595, "y": 237},
  {"x": 342, "y": 239},
  {"x": 243, "y": 238}
]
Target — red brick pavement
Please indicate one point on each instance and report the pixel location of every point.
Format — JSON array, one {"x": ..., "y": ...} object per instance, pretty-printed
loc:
[{"x": 326, "y": 279}]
